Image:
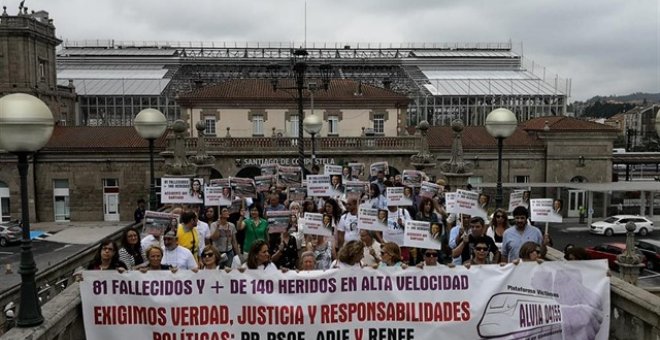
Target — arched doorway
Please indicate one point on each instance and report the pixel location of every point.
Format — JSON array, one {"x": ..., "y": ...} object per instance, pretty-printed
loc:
[
  {"x": 249, "y": 172},
  {"x": 215, "y": 174}
]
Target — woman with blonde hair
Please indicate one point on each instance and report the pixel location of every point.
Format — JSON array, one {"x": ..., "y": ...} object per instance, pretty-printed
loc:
[
  {"x": 390, "y": 255},
  {"x": 350, "y": 255}
]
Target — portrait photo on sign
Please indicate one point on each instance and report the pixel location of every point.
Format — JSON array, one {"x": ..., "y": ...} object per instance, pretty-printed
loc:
[
  {"x": 377, "y": 167},
  {"x": 197, "y": 189}
]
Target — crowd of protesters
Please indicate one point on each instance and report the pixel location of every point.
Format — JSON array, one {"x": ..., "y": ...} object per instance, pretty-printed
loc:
[{"x": 223, "y": 238}]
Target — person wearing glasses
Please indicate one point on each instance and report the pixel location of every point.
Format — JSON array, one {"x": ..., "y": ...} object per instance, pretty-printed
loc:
[
  {"x": 530, "y": 252},
  {"x": 107, "y": 257},
  {"x": 498, "y": 224},
  {"x": 466, "y": 241},
  {"x": 211, "y": 258},
  {"x": 481, "y": 250},
  {"x": 430, "y": 258},
  {"x": 390, "y": 255}
]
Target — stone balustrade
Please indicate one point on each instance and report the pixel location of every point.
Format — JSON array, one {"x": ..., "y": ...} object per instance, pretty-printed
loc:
[{"x": 250, "y": 144}]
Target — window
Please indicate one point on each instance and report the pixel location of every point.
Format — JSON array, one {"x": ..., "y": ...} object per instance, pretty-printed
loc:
[
  {"x": 293, "y": 126},
  {"x": 333, "y": 125},
  {"x": 42, "y": 69},
  {"x": 521, "y": 179},
  {"x": 61, "y": 200},
  {"x": 210, "y": 125},
  {"x": 4, "y": 202},
  {"x": 257, "y": 125},
  {"x": 475, "y": 180},
  {"x": 379, "y": 124}
]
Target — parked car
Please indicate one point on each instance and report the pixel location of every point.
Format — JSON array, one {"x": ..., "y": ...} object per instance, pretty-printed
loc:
[
  {"x": 650, "y": 249},
  {"x": 610, "y": 251},
  {"x": 9, "y": 233},
  {"x": 617, "y": 225}
]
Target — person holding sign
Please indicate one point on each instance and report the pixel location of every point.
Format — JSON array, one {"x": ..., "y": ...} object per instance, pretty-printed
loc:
[
  {"x": 466, "y": 241},
  {"x": 498, "y": 224},
  {"x": 284, "y": 250},
  {"x": 372, "y": 248},
  {"x": 176, "y": 256},
  {"x": 256, "y": 227}
]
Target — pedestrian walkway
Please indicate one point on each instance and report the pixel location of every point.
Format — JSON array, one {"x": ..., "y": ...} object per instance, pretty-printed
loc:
[{"x": 76, "y": 232}]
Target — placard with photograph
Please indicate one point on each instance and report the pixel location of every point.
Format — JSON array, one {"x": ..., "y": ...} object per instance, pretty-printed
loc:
[
  {"x": 355, "y": 189},
  {"x": 278, "y": 221},
  {"x": 289, "y": 176},
  {"x": 156, "y": 223},
  {"x": 429, "y": 189},
  {"x": 413, "y": 178},
  {"x": 467, "y": 202},
  {"x": 417, "y": 234},
  {"x": 357, "y": 170},
  {"x": 396, "y": 197},
  {"x": 297, "y": 193},
  {"x": 375, "y": 168},
  {"x": 336, "y": 187},
  {"x": 331, "y": 169},
  {"x": 219, "y": 182},
  {"x": 182, "y": 190},
  {"x": 269, "y": 169},
  {"x": 243, "y": 187},
  {"x": 264, "y": 183},
  {"x": 318, "y": 185},
  {"x": 217, "y": 196},
  {"x": 541, "y": 210},
  {"x": 313, "y": 225},
  {"x": 372, "y": 219}
]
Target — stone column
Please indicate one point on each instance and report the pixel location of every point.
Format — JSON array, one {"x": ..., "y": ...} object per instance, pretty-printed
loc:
[
  {"x": 457, "y": 170},
  {"x": 629, "y": 263}
]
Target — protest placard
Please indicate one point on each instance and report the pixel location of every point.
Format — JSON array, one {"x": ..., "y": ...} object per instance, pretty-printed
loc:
[
  {"x": 182, "y": 190},
  {"x": 375, "y": 168},
  {"x": 157, "y": 223},
  {"x": 297, "y": 193},
  {"x": 269, "y": 169},
  {"x": 318, "y": 185},
  {"x": 278, "y": 221},
  {"x": 243, "y": 187},
  {"x": 516, "y": 199},
  {"x": 357, "y": 170},
  {"x": 372, "y": 219},
  {"x": 331, "y": 169},
  {"x": 418, "y": 234},
  {"x": 355, "y": 189},
  {"x": 264, "y": 183},
  {"x": 541, "y": 210},
  {"x": 312, "y": 224},
  {"x": 396, "y": 197},
  {"x": 412, "y": 178},
  {"x": 289, "y": 176},
  {"x": 435, "y": 302},
  {"x": 336, "y": 187},
  {"x": 217, "y": 196},
  {"x": 429, "y": 189},
  {"x": 450, "y": 203},
  {"x": 467, "y": 202}
]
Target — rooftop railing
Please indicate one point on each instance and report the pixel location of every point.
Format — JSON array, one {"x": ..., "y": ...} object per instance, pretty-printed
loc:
[{"x": 283, "y": 144}]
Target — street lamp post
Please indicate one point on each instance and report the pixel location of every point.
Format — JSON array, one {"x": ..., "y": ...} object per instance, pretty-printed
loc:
[
  {"x": 300, "y": 66},
  {"x": 313, "y": 125},
  {"x": 26, "y": 124},
  {"x": 500, "y": 123},
  {"x": 150, "y": 124}
]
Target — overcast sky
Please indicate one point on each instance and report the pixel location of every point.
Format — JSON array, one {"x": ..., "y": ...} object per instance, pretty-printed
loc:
[{"x": 606, "y": 47}]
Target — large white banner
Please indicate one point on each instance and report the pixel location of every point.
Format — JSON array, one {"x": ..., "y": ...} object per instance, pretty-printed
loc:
[{"x": 552, "y": 300}]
